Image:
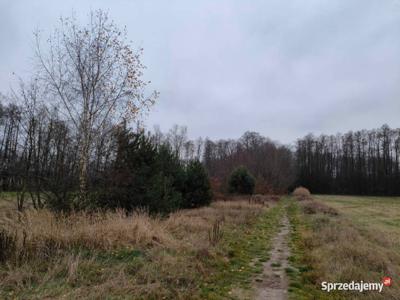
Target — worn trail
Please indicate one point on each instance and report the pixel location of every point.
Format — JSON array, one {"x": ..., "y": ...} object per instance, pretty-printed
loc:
[{"x": 273, "y": 282}]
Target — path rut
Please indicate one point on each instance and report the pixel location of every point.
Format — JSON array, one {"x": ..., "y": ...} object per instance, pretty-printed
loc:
[{"x": 273, "y": 282}]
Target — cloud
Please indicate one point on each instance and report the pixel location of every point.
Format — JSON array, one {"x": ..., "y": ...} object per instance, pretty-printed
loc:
[{"x": 283, "y": 68}]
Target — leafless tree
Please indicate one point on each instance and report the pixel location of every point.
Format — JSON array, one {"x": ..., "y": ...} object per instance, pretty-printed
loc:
[
  {"x": 95, "y": 78},
  {"x": 176, "y": 138}
]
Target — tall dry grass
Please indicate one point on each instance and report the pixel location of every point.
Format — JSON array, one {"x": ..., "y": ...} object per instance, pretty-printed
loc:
[
  {"x": 340, "y": 251},
  {"x": 301, "y": 193},
  {"x": 172, "y": 250},
  {"x": 38, "y": 231}
]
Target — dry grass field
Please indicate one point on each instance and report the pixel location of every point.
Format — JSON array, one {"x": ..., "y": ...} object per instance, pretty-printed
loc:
[
  {"x": 206, "y": 253},
  {"x": 341, "y": 239},
  {"x": 192, "y": 254}
]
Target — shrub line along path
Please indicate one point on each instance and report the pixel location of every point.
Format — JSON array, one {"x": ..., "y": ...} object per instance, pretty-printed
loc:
[{"x": 273, "y": 282}]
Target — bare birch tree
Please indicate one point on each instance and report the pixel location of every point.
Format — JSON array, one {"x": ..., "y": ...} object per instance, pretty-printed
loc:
[{"x": 95, "y": 78}]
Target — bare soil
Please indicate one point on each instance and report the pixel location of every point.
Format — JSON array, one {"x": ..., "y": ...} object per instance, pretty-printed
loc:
[{"x": 273, "y": 282}]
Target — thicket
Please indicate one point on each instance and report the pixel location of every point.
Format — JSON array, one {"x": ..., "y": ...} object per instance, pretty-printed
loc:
[
  {"x": 241, "y": 181},
  {"x": 151, "y": 176},
  {"x": 197, "y": 189},
  {"x": 271, "y": 164},
  {"x": 127, "y": 169}
]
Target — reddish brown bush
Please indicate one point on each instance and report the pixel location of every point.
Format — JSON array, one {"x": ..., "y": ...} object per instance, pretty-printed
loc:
[{"x": 301, "y": 193}]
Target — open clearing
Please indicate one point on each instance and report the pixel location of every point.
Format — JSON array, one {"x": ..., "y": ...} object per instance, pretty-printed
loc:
[
  {"x": 372, "y": 213},
  {"x": 230, "y": 250},
  {"x": 193, "y": 254},
  {"x": 344, "y": 238}
]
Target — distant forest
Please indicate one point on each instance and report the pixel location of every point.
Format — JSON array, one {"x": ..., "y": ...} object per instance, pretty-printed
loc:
[
  {"x": 364, "y": 162},
  {"x": 38, "y": 151},
  {"x": 71, "y": 138},
  {"x": 272, "y": 165}
]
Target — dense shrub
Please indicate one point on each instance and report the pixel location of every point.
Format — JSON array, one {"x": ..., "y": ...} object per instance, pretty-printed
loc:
[
  {"x": 301, "y": 193},
  {"x": 241, "y": 181},
  {"x": 164, "y": 193},
  {"x": 150, "y": 176},
  {"x": 197, "y": 190},
  {"x": 144, "y": 176}
]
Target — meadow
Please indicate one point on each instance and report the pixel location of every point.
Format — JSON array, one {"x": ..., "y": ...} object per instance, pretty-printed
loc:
[
  {"x": 202, "y": 253},
  {"x": 102, "y": 203},
  {"x": 214, "y": 252},
  {"x": 345, "y": 238}
]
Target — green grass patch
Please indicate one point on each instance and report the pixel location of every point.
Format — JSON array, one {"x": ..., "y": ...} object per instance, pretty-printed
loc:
[
  {"x": 250, "y": 245},
  {"x": 276, "y": 264},
  {"x": 359, "y": 244},
  {"x": 301, "y": 284}
]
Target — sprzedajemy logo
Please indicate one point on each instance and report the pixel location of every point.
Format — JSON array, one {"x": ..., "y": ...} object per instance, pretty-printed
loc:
[
  {"x": 387, "y": 281},
  {"x": 360, "y": 286}
]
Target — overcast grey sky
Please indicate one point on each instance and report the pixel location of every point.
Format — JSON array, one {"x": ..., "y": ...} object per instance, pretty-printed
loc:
[{"x": 282, "y": 68}]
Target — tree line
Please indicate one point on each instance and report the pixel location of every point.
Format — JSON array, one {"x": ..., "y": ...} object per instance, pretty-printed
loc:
[
  {"x": 128, "y": 168},
  {"x": 363, "y": 162},
  {"x": 272, "y": 165},
  {"x": 69, "y": 131},
  {"x": 39, "y": 157},
  {"x": 71, "y": 137}
]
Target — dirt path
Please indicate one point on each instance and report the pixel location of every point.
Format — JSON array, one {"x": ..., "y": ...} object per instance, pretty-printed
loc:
[{"x": 273, "y": 282}]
